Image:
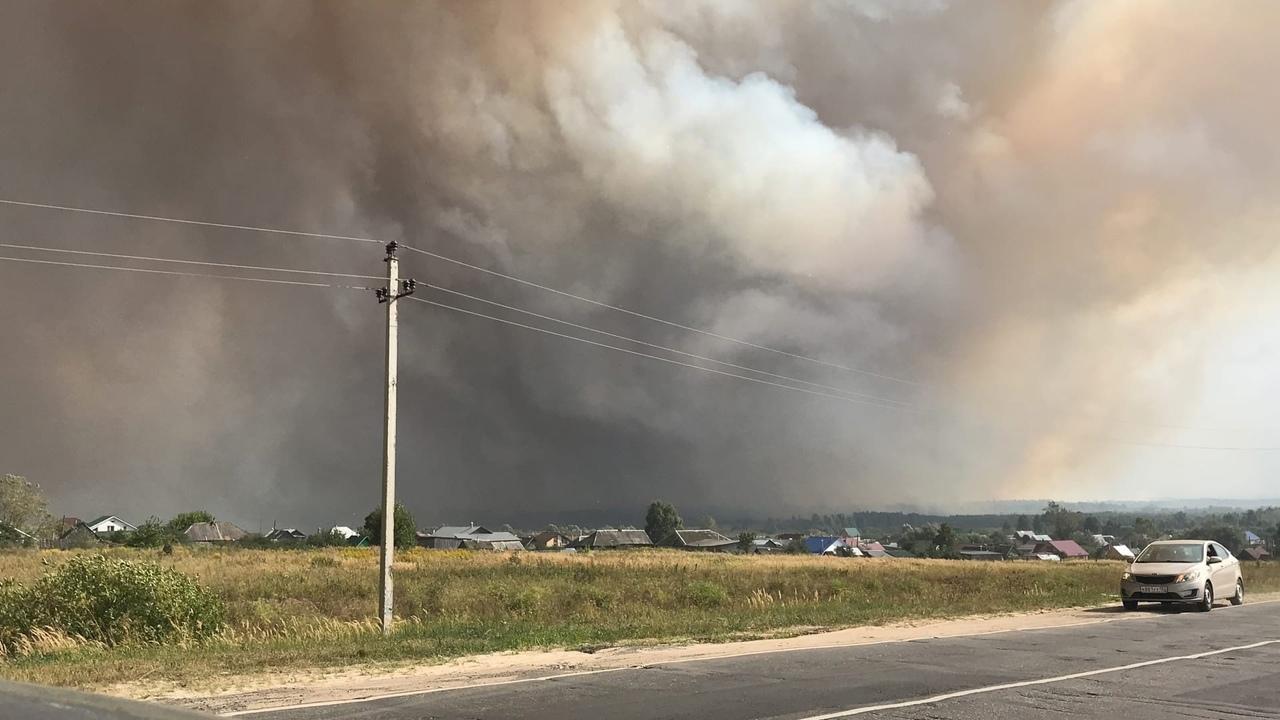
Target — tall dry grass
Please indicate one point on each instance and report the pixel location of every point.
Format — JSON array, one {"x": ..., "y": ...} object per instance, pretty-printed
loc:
[{"x": 300, "y": 608}]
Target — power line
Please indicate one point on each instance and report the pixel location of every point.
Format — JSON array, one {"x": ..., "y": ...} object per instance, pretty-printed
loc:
[
  {"x": 689, "y": 328},
  {"x": 659, "y": 358},
  {"x": 477, "y": 268},
  {"x": 695, "y": 356},
  {"x": 188, "y": 262},
  {"x": 184, "y": 221},
  {"x": 1138, "y": 443},
  {"x": 184, "y": 274},
  {"x": 1241, "y": 448}
]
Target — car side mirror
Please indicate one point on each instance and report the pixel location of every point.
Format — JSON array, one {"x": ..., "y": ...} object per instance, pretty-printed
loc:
[{"x": 1215, "y": 560}]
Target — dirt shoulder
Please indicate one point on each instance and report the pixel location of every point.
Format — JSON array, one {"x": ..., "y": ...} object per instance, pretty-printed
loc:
[{"x": 238, "y": 694}]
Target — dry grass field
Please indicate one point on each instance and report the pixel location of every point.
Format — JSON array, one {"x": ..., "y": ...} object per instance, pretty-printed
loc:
[{"x": 314, "y": 608}]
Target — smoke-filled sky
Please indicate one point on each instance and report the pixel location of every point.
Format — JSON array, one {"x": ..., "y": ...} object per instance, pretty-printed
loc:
[{"x": 1054, "y": 220}]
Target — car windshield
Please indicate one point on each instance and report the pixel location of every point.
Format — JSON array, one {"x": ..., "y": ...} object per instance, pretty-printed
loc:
[{"x": 1176, "y": 553}]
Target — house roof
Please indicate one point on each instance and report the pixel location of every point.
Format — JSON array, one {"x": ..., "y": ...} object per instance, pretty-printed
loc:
[
  {"x": 981, "y": 555},
  {"x": 453, "y": 531},
  {"x": 492, "y": 537},
  {"x": 702, "y": 538},
  {"x": 344, "y": 531},
  {"x": 221, "y": 531},
  {"x": 820, "y": 544},
  {"x": 852, "y": 532},
  {"x": 6, "y": 527},
  {"x": 1255, "y": 553},
  {"x": 608, "y": 538},
  {"x": 1120, "y": 550},
  {"x": 1252, "y": 537},
  {"x": 1069, "y": 548},
  {"x": 899, "y": 552},
  {"x": 285, "y": 532},
  {"x": 104, "y": 518}
]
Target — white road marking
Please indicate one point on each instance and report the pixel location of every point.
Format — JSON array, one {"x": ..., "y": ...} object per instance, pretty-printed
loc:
[
  {"x": 1028, "y": 683},
  {"x": 678, "y": 661}
]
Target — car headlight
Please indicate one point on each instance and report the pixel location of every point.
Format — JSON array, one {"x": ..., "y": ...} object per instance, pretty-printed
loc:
[
  {"x": 1127, "y": 575},
  {"x": 1188, "y": 576}
]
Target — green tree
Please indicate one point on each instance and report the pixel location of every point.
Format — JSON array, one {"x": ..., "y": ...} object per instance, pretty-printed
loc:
[
  {"x": 1024, "y": 523},
  {"x": 332, "y": 538},
  {"x": 180, "y": 522},
  {"x": 1092, "y": 526},
  {"x": 661, "y": 522},
  {"x": 945, "y": 539},
  {"x": 152, "y": 533},
  {"x": 23, "y": 506},
  {"x": 405, "y": 531},
  {"x": 745, "y": 539}
]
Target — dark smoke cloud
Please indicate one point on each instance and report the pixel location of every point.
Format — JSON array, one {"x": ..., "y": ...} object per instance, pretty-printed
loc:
[{"x": 1054, "y": 216}]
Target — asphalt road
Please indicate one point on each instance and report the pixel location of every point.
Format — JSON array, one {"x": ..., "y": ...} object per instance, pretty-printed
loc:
[{"x": 1140, "y": 668}]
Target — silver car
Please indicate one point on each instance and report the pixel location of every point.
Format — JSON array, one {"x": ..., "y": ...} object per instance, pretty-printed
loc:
[{"x": 1184, "y": 572}]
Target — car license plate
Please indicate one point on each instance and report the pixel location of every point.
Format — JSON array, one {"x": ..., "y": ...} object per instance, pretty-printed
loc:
[{"x": 1158, "y": 589}]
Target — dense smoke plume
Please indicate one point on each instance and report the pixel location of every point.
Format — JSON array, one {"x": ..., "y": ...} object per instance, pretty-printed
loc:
[{"x": 1055, "y": 219}]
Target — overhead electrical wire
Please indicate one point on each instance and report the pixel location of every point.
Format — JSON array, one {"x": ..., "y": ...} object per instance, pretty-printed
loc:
[
  {"x": 184, "y": 274},
  {"x": 908, "y": 410},
  {"x": 689, "y": 328},
  {"x": 659, "y": 358},
  {"x": 872, "y": 401},
  {"x": 656, "y": 346},
  {"x": 477, "y": 268},
  {"x": 184, "y": 221},
  {"x": 149, "y": 258}
]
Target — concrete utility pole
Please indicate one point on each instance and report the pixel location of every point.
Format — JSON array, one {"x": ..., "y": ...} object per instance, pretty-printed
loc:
[{"x": 394, "y": 291}]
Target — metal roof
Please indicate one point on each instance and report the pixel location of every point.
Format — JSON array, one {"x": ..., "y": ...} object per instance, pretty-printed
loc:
[{"x": 703, "y": 538}]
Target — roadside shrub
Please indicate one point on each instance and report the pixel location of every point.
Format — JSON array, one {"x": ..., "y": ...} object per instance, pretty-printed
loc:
[
  {"x": 703, "y": 594},
  {"x": 111, "y": 602}
]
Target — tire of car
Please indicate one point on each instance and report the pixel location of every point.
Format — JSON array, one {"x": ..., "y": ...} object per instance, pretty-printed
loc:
[
  {"x": 1238, "y": 598},
  {"x": 1206, "y": 604},
  {"x": 1130, "y": 604}
]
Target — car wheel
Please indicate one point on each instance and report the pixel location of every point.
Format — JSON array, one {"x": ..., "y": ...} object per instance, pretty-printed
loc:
[
  {"x": 1130, "y": 604},
  {"x": 1206, "y": 604},
  {"x": 1238, "y": 599}
]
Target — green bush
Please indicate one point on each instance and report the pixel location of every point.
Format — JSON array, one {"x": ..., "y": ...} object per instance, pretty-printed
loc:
[
  {"x": 112, "y": 602},
  {"x": 704, "y": 594}
]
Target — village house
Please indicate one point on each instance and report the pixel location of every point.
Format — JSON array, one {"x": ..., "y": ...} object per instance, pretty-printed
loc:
[
  {"x": 548, "y": 540},
  {"x": 492, "y": 541},
  {"x": 346, "y": 533},
  {"x": 285, "y": 535},
  {"x": 12, "y": 534},
  {"x": 450, "y": 537},
  {"x": 1255, "y": 554},
  {"x": 1029, "y": 536},
  {"x": 1116, "y": 551},
  {"x": 611, "y": 539},
  {"x": 213, "y": 533},
  {"x": 1251, "y": 539},
  {"x": 78, "y": 535},
  {"x": 109, "y": 524},
  {"x": 1064, "y": 549},
  {"x": 765, "y": 546},
  {"x": 830, "y": 545},
  {"x": 705, "y": 540}
]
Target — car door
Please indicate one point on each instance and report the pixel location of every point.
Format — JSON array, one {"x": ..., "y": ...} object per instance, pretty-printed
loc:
[{"x": 1223, "y": 574}]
